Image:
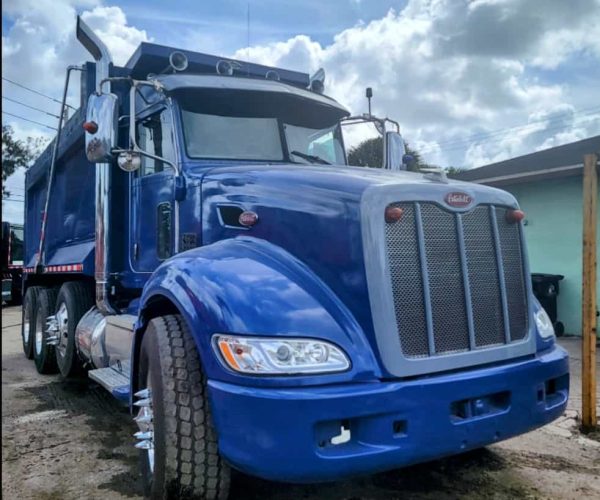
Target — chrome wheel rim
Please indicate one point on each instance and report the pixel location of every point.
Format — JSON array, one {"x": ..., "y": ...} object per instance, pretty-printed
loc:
[
  {"x": 145, "y": 422},
  {"x": 39, "y": 335},
  {"x": 26, "y": 326},
  {"x": 62, "y": 318}
]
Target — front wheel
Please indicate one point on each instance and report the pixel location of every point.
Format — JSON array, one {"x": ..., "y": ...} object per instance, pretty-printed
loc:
[{"x": 178, "y": 441}]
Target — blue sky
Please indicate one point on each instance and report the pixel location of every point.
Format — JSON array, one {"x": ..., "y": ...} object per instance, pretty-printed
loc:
[
  {"x": 270, "y": 20},
  {"x": 470, "y": 81}
]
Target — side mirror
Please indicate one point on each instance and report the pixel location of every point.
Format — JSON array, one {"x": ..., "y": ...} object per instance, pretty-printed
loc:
[
  {"x": 394, "y": 151},
  {"x": 101, "y": 127}
]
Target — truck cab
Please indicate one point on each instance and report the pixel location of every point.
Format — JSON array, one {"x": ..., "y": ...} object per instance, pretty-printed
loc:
[
  {"x": 12, "y": 262},
  {"x": 197, "y": 243}
]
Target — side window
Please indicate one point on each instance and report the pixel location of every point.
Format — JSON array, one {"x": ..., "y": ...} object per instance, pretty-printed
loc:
[{"x": 155, "y": 136}]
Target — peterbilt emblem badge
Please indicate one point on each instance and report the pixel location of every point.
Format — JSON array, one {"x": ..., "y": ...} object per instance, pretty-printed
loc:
[{"x": 458, "y": 199}]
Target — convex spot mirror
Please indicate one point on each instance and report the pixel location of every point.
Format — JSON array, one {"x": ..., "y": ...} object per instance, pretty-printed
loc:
[
  {"x": 129, "y": 161},
  {"x": 101, "y": 127},
  {"x": 394, "y": 151}
]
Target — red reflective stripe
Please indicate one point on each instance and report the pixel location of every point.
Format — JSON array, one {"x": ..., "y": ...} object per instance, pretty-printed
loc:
[{"x": 64, "y": 268}]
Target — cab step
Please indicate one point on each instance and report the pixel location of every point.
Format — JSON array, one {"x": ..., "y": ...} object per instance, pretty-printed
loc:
[{"x": 115, "y": 379}]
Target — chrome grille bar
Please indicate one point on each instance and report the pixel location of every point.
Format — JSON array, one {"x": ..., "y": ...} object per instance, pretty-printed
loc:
[
  {"x": 501, "y": 281},
  {"x": 425, "y": 280},
  {"x": 466, "y": 284}
]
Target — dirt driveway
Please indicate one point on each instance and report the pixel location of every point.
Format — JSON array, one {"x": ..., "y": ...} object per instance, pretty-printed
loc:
[{"x": 73, "y": 441}]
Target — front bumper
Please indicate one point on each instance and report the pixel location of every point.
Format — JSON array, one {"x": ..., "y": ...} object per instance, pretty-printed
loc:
[{"x": 285, "y": 433}]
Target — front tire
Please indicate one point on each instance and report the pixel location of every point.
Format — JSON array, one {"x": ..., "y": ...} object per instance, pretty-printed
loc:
[
  {"x": 181, "y": 460},
  {"x": 74, "y": 300},
  {"x": 43, "y": 353}
]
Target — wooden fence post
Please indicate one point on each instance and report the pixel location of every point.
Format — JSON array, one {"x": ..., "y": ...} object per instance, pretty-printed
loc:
[{"x": 589, "y": 299}]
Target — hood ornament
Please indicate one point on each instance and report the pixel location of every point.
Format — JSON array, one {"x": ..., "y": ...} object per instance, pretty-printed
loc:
[{"x": 435, "y": 174}]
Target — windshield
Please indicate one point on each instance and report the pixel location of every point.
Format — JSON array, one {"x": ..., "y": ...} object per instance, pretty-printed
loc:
[{"x": 260, "y": 126}]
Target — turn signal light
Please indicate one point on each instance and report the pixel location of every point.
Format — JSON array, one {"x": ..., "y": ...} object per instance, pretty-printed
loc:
[
  {"x": 393, "y": 214},
  {"x": 90, "y": 127},
  {"x": 515, "y": 215}
]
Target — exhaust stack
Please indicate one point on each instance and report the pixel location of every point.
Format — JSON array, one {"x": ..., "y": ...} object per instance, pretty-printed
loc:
[{"x": 101, "y": 55}]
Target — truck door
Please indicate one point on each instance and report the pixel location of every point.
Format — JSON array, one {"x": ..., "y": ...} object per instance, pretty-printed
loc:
[{"x": 152, "y": 194}]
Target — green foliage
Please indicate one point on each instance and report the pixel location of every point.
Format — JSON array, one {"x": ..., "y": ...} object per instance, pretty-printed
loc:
[
  {"x": 452, "y": 171},
  {"x": 369, "y": 153},
  {"x": 17, "y": 154}
]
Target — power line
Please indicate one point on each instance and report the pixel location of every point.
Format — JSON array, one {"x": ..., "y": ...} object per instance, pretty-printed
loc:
[
  {"x": 483, "y": 135},
  {"x": 30, "y": 107},
  {"x": 28, "y": 120},
  {"x": 552, "y": 124},
  {"x": 36, "y": 92}
]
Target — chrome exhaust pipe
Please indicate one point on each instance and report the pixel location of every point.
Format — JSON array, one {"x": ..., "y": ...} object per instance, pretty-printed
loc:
[{"x": 103, "y": 59}]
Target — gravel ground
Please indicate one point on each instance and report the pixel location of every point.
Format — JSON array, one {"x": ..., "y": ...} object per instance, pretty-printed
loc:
[{"x": 72, "y": 440}]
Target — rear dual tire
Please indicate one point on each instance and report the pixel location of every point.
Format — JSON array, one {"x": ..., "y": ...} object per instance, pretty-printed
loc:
[
  {"x": 29, "y": 312},
  {"x": 74, "y": 300},
  {"x": 43, "y": 353}
]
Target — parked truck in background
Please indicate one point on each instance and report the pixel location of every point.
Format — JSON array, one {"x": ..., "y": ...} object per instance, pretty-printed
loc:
[
  {"x": 197, "y": 244},
  {"x": 12, "y": 262}
]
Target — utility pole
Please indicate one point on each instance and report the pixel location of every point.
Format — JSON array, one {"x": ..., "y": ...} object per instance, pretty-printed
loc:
[{"x": 589, "y": 299}]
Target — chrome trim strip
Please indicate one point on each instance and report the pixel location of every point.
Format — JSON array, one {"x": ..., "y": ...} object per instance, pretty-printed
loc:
[
  {"x": 501, "y": 281},
  {"x": 425, "y": 280},
  {"x": 467, "y": 287}
]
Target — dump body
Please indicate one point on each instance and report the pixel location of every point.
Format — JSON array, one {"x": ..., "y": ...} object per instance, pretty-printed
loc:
[{"x": 240, "y": 216}]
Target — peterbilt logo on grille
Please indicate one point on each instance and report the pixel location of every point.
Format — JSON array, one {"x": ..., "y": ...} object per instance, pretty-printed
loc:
[{"x": 458, "y": 199}]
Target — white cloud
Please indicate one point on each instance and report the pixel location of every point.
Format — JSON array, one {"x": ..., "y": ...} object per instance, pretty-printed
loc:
[
  {"x": 37, "y": 48},
  {"x": 468, "y": 80},
  {"x": 449, "y": 69}
]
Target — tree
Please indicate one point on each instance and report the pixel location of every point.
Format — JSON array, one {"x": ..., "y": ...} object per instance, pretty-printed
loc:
[
  {"x": 452, "y": 171},
  {"x": 369, "y": 153},
  {"x": 17, "y": 154}
]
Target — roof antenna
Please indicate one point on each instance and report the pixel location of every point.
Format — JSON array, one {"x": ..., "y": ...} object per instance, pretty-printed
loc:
[{"x": 248, "y": 44}]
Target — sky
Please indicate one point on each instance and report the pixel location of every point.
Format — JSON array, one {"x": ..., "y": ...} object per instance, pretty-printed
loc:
[{"x": 470, "y": 81}]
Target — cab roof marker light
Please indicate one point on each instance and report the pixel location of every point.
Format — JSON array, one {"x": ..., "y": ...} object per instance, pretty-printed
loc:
[{"x": 317, "y": 81}]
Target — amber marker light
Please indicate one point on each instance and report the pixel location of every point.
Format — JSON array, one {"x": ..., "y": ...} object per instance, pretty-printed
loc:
[
  {"x": 393, "y": 214},
  {"x": 90, "y": 127},
  {"x": 513, "y": 216},
  {"x": 228, "y": 355}
]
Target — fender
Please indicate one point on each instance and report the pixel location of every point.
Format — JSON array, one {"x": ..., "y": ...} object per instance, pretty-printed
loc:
[{"x": 249, "y": 286}]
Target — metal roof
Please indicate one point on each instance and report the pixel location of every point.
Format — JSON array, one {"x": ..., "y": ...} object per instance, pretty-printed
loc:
[{"x": 560, "y": 161}]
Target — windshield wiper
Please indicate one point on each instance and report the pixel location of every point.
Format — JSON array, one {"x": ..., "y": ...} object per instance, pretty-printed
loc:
[{"x": 311, "y": 158}]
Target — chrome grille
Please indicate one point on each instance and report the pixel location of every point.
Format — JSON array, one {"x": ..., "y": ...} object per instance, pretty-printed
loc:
[{"x": 448, "y": 272}]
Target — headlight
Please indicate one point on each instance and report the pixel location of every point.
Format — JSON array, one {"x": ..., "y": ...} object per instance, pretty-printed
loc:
[
  {"x": 544, "y": 325},
  {"x": 279, "y": 356}
]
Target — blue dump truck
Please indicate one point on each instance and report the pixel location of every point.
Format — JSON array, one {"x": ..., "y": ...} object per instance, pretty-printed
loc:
[{"x": 196, "y": 243}]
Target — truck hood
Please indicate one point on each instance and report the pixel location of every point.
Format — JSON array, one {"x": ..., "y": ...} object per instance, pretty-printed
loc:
[{"x": 314, "y": 213}]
